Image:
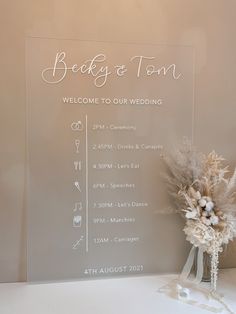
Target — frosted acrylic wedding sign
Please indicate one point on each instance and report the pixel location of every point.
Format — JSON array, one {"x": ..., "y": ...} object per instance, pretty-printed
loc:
[{"x": 100, "y": 115}]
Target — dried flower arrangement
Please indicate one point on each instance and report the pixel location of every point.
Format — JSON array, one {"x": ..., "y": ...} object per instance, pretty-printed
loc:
[{"x": 207, "y": 199}]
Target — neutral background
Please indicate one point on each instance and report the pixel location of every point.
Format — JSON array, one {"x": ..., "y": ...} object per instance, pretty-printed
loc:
[{"x": 208, "y": 25}]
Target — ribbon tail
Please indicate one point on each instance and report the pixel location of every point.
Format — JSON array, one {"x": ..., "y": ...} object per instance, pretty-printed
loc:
[
  {"x": 199, "y": 274},
  {"x": 188, "y": 265}
]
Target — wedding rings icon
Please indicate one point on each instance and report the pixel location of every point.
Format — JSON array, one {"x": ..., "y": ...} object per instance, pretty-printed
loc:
[{"x": 77, "y": 126}]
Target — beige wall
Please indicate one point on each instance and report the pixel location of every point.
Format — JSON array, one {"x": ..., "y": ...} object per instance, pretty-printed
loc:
[{"x": 208, "y": 25}]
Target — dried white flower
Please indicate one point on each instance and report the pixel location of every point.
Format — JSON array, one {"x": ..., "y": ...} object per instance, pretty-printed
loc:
[
  {"x": 191, "y": 214},
  {"x": 201, "y": 235},
  {"x": 209, "y": 206},
  {"x": 202, "y": 202},
  {"x": 198, "y": 196},
  {"x": 206, "y": 221},
  {"x": 214, "y": 220}
]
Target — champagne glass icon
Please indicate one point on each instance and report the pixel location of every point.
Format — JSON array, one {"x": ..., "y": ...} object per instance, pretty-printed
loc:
[{"x": 77, "y": 144}]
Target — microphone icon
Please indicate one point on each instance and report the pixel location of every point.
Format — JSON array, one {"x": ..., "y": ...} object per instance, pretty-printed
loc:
[{"x": 76, "y": 183}]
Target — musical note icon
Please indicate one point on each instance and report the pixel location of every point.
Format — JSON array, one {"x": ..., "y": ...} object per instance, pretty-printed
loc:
[{"x": 78, "y": 206}]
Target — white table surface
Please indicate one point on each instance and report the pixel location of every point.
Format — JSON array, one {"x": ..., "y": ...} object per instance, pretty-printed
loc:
[{"x": 136, "y": 295}]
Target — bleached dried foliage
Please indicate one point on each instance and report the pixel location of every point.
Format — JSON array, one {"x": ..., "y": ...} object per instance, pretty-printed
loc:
[
  {"x": 203, "y": 193},
  {"x": 187, "y": 169}
]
